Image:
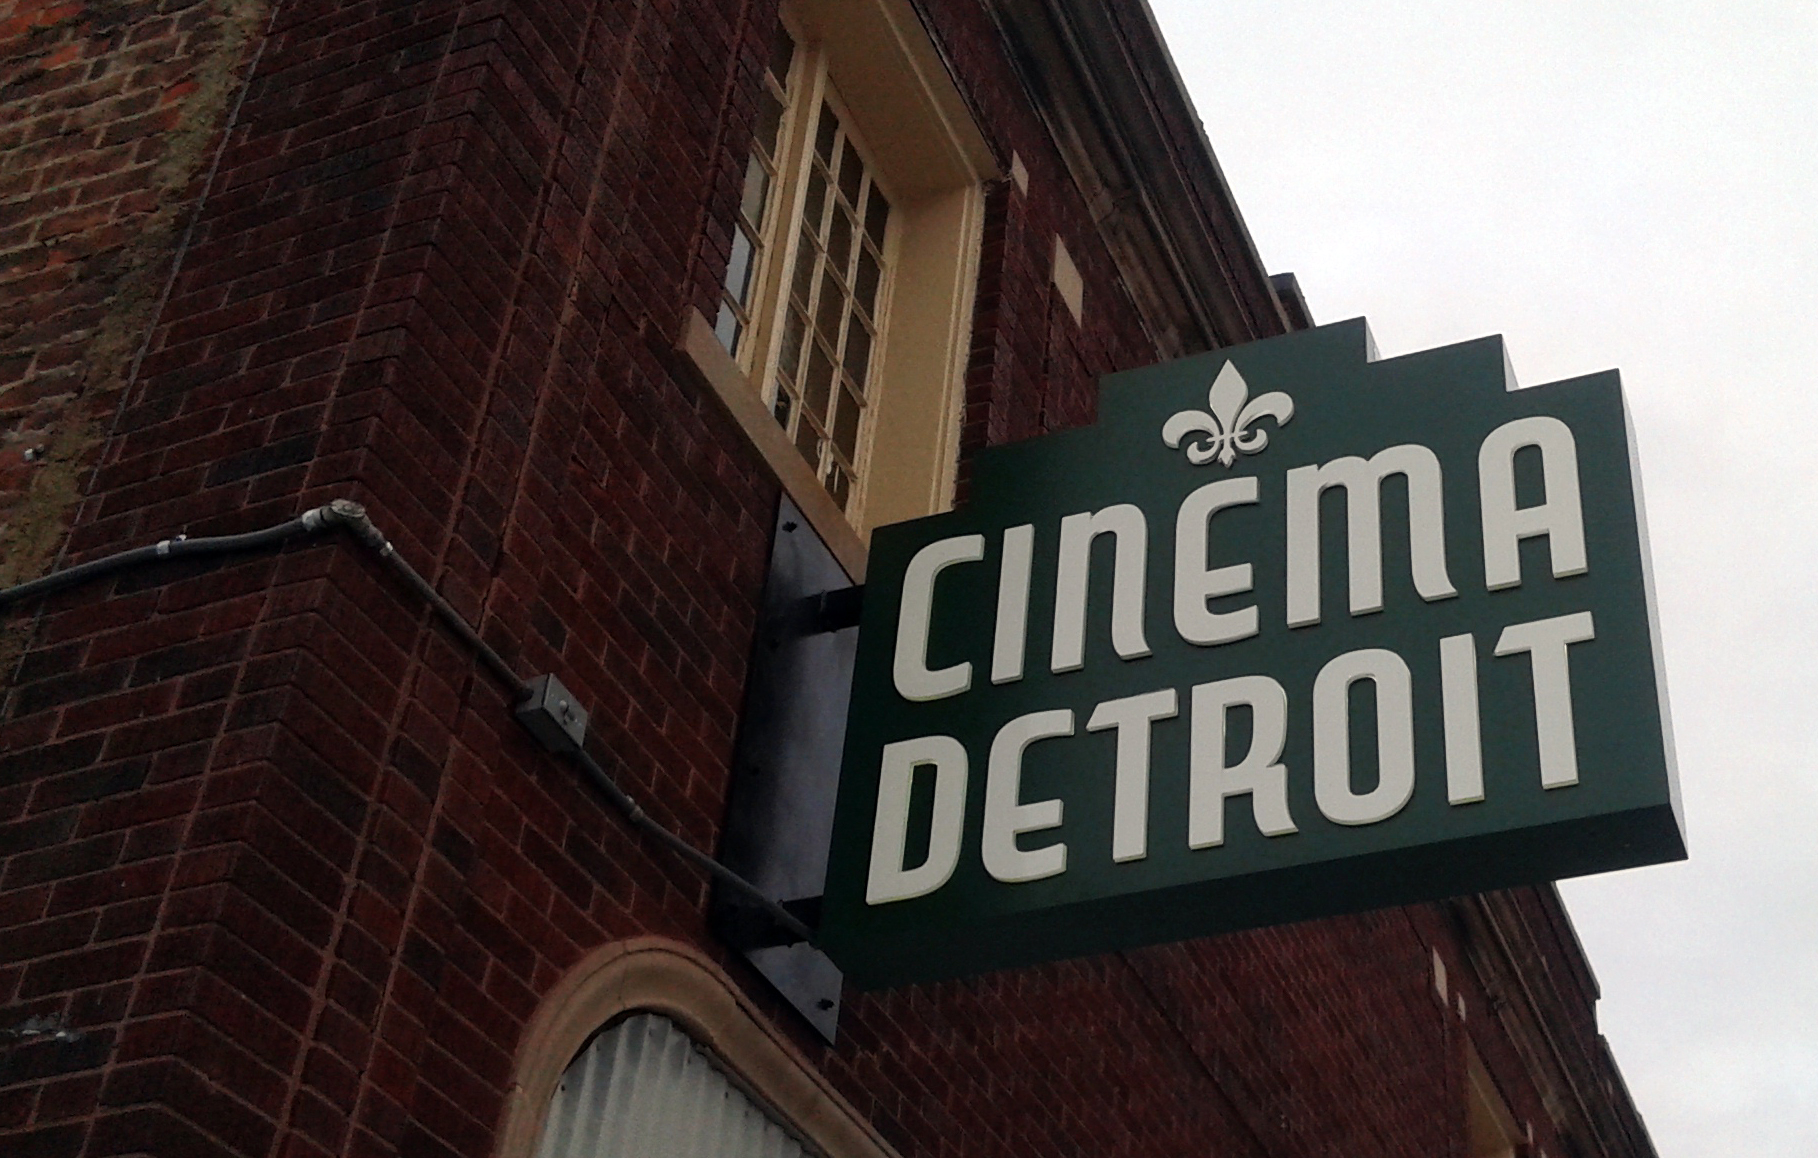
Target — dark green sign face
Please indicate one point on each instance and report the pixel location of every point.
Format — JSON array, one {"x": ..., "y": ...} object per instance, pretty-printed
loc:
[{"x": 1289, "y": 633}]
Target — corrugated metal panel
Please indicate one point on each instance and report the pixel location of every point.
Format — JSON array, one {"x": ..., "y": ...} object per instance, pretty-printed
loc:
[{"x": 642, "y": 1089}]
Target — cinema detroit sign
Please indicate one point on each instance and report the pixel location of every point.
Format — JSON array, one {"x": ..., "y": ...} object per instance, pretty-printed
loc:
[{"x": 1290, "y": 632}]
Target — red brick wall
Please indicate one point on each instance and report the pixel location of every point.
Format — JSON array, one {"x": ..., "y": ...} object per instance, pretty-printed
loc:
[
  {"x": 273, "y": 846},
  {"x": 109, "y": 119}
]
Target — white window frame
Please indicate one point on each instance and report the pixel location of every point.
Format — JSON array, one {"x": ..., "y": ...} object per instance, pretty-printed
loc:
[
  {"x": 932, "y": 161},
  {"x": 783, "y": 243}
]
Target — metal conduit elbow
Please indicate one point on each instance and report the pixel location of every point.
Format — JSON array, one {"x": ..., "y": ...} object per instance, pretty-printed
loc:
[{"x": 560, "y": 734}]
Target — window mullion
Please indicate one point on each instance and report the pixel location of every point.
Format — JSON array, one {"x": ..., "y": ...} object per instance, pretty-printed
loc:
[
  {"x": 770, "y": 358},
  {"x": 804, "y": 303}
]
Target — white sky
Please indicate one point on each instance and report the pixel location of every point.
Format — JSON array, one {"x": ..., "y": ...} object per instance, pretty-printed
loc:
[{"x": 1607, "y": 184}]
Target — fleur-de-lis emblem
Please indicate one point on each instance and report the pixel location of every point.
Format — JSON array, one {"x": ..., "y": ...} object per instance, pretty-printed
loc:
[{"x": 1228, "y": 423}]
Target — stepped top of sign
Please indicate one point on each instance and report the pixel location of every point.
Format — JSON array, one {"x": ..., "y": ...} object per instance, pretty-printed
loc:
[{"x": 1268, "y": 404}]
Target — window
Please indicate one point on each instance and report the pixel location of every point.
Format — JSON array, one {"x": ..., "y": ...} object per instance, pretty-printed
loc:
[
  {"x": 642, "y": 1036},
  {"x": 828, "y": 269},
  {"x": 749, "y": 233},
  {"x": 644, "y": 1088},
  {"x": 1490, "y": 1128},
  {"x": 847, "y": 297},
  {"x": 837, "y": 270}
]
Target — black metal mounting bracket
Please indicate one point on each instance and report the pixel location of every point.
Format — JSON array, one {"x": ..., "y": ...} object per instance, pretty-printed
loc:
[{"x": 786, "y": 762}]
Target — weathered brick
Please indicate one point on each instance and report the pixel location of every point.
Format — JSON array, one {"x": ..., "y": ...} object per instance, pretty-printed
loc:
[
  {"x": 67, "y": 688},
  {"x": 83, "y": 968},
  {"x": 23, "y": 835},
  {"x": 95, "y": 782},
  {"x": 68, "y": 858},
  {"x": 127, "y": 882},
  {"x": 43, "y": 938}
]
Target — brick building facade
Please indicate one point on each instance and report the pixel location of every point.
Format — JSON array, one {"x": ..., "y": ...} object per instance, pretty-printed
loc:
[{"x": 281, "y": 874}]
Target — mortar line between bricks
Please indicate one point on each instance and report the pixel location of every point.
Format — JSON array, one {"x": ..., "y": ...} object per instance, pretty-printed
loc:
[
  {"x": 425, "y": 635},
  {"x": 1045, "y": 391},
  {"x": 723, "y": 148},
  {"x": 538, "y": 424},
  {"x": 511, "y": 310},
  {"x": 111, "y": 1065},
  {"x": 30, "y": 630},
  {"x": 309, "y": 1033},
  {"x": 465, "y": 700},
  {"x": 111, "y": 442},
  {"x": 1172, "y": 1021},
  {"x": 1452, "y": 1044},
  {"x": 186, "y": 852}
]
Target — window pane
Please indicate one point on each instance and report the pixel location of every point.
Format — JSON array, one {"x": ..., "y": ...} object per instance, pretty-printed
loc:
[
  {"x": 824, "y": 134},
  {"x": 877, "y": 216},
  {"x": 865, "y": 284},
  {"x": 790, "y": 357},
  {"x": 819, "y": 385},
  {"x": 829, "y": 324},
  {"x": 803, "y": 283},
  {"x": 858, "y": 351},
  {"x": 846, "y": 423},
  {"x": 817, "y": 194},
  {"x": 726, "y": 329},
  {"x": 770, "y": 116},
  {"x": 839, "y": 241},
  {"x": 808, "y": 442},
  {"x": 641, "y": 1088},
  {"x": 757, "y": 183},
  {"x": 738, "y": 269},
  {"x": 852, "y": 173},
  {"x": 829, "y": 309}
]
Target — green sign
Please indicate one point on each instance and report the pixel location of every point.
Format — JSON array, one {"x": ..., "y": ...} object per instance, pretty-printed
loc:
[{"x": 1290, "y": 632}]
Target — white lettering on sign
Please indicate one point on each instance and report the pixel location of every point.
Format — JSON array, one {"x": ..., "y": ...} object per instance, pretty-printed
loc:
[
  {"x": 1545, "y": 642},
  {"x": 1012, "y": 636},
  {"x": 1125, "y": 524},
  {"x": 1260, "y": 773},
  {"x": 1006, "y": 817},
  {"x": 1211, "y": 780},
  {"x": 1394, "y": 737},
  {"x": 1560, "y": 518},
  {"x": 1362, "y": 482},
  {"x": 1132, "y": 717},
  {"x": 1458, "y": 707},
  {"x": 1194, "y": 584},
  {"x": 910, "y": 670},
  {"x": 889, "y": 880}
]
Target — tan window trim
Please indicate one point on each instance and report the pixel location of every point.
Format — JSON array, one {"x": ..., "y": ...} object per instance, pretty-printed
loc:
[
  {"x": 742, "y": 401},
  {"x": 661, "y": 976},
  {"x": 1490, "y": 1128}
]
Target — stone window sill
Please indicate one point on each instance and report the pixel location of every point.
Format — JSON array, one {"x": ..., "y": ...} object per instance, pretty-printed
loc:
[{"x": 740, "y": 398}]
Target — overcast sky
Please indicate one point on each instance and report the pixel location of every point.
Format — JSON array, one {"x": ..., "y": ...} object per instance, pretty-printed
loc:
[{"x": 1628, "y": 185}]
